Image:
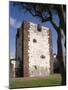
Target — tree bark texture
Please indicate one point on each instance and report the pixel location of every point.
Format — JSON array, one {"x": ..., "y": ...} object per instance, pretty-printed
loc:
[{"x": 61, "y": 58}]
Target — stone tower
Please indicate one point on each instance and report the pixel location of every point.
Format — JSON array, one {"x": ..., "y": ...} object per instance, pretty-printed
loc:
[{"x": 34, "y": 54}]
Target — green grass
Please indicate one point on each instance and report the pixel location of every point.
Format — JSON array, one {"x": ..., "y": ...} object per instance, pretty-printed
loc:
[{"x": 52, "y": 80}]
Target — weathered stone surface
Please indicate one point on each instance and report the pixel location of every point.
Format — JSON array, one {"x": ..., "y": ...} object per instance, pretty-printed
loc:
[
  {"x": 36, "y": 50},
  {"x": 26, "y": 57}
]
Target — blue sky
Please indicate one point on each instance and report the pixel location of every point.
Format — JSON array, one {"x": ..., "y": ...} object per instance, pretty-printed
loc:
[{"x": 17, "y": 17}]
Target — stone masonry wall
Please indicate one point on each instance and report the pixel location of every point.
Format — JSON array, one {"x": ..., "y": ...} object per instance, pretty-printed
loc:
[
  {"x": 36, "y": 51},
  {"x": 39, "y": 52}
]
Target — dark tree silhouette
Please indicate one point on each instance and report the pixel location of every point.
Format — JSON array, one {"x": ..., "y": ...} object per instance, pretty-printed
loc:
[{"x": 45, "y": 12}]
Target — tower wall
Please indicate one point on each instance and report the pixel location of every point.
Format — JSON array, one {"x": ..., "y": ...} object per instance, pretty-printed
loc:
[{"x": 36, "y": 50}]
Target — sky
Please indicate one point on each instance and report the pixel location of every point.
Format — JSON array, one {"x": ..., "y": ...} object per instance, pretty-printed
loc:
[{"x": 17, "y": 17}]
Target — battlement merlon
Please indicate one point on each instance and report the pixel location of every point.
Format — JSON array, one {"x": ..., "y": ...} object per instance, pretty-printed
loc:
[{"x": 35, "y": 25}]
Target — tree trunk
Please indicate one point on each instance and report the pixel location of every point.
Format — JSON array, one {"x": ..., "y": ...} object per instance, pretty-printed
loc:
[
  {"x": 62, "y": 18},
  {"x": 60, "y": 57}
]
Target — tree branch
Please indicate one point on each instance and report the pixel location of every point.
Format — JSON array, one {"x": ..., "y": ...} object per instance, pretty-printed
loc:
[
  {"x": 52, "y": 22},
  {"x": 54, "y": 25}
]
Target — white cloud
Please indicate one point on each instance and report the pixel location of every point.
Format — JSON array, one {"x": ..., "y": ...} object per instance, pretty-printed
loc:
[
  {"x": 18, "y": 24},
  {"x": 12, "y": 54},
  {"x": 14, "y": 23}
]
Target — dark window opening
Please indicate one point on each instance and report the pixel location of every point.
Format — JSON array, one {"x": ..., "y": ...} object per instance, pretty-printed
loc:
[
  {"x": 18, "y": 33},
  {"x": 34, "y": 40},
  {"x": 35, "y": 67},
  {"x": 42, "y": 56},
  {"x": 39, "y": 28}
]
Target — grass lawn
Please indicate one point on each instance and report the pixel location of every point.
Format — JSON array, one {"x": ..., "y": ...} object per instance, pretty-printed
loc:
[{"x": 52, "y": 80}]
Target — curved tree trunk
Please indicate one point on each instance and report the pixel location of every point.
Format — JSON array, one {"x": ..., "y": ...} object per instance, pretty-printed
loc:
[
  {"x": 60, "y": 57},
  {"x": 62, "y": 18},
  {"x": 60, "y": 54}
]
